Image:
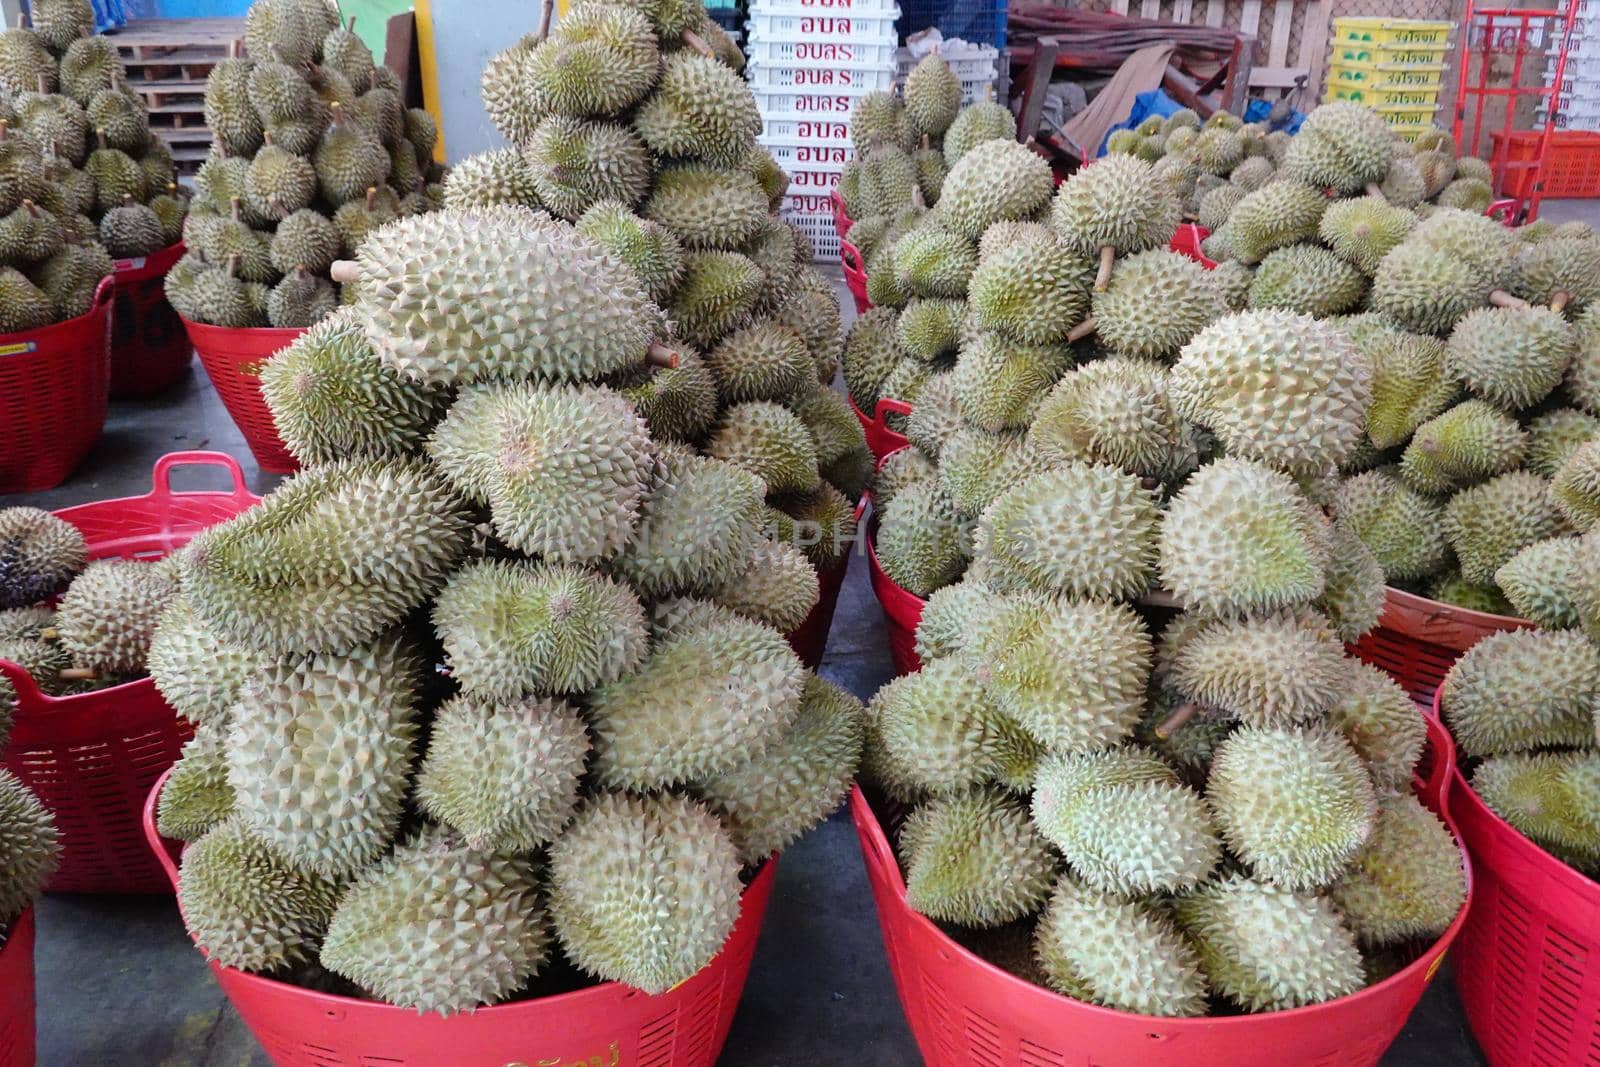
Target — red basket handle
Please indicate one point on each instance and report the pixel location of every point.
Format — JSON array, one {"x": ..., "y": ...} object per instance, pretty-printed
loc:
[
  {"x": 849, "y": 256},
  {"x": 105, "y": 290},
  {"x": 28, "y": 691},
  {"x": 158, "y": 845},
  {"x": 1443, "y": 771},
  {"x": 1502, "y": 211},
  {"x": 161, "y": 476},
  {"x": 887, "y": 407}
]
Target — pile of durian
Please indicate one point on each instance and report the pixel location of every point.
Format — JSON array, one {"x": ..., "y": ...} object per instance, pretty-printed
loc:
[
  {"x": 497, "y": 689},
  {"x": 72, "y": 624},
  {"x": 1137, "y": 765},
  {"x": 30, "y": 847},
  {"x": 313, "y": 150},
  {"x": 83, "y": 180}
]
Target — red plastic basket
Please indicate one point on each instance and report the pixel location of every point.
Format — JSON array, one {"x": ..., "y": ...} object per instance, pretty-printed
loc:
[
  {"x": 841, "y": 221},
  {"x": 233, "y": 360},
  {"x": 609, "y": 1024},
  {"x": 1571, "y": 167},
  {"x": 1417, "y": 640},
  {"x": 91, "y": 758},
  {"x": 149, "y": 349},
  {"x": 810, "y": 638},
  {"x": 1529, "y": 965},
  {"x": 902, "y": 611},
  {"x": 16, "y": 994},
  {"x": 855, "y": 275},
  {"x": 880, "y": 439},
  {"x": 964, "y": 1011},
  {"x": 1186, "y": 240},
  {"x": 53, "y": 384}
]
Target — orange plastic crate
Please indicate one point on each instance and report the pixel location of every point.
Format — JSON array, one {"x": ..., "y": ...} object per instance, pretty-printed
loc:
[{"x": 1571, "y": 170}]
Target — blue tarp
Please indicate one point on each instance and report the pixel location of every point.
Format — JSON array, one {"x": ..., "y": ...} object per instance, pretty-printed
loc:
[
  {"x": 108, "y": 14},
  {"x": 1157, "y": 102}
]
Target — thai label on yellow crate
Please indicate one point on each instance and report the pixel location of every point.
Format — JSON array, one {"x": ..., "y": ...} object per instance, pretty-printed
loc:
[
  {"x": 1419, "y": 55},
  {"x": 1374, "y": 96},
  {"x": 1392, "y": 33},
  {"x": 1408, "y": 115},
  {"x": 1387, "y": 75}
]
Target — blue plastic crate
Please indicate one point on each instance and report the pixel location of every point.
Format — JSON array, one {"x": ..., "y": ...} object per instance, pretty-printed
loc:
[{"x": 978, "y": 21}]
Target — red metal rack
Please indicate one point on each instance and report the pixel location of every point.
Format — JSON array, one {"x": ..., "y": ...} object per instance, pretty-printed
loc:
[{"x": 1504, "y": 53}]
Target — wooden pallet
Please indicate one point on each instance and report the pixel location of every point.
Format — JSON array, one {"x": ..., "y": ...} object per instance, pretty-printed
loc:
[
  {"x": 177, "y": 41},
  {"x": 167, "y": 62}
]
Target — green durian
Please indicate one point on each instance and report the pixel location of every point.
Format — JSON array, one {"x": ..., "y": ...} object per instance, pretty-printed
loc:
[
  {"x": 1033, "y": 291},
  {"x": 196, "y": 796},
  {"x": 919, "y": 539},
  {"x": 1381, "y": 723},
  {"x": 1575, "y": 488},
  {"x": 1467, "y": 443},
  {"x": 1511, "y": 357},
  {"x": 602, "y": 59},
  {"x": 699, "y": 110},
  {"x": 697, "y": 527},
  {"x": 993, "y": 180},
  {"x": 1269, "y": 671},
  {"x": 108, "y": 614},
  {"x": 39, "y": 555},
  {"x": 707, "y": 208},
  {"x": 1492, "y": 708},
  {"x": 1489, "y": 523},
  {"x": 1549, "y": 796},
  {"x": 1407, "y": 883},
  {"x": 974, "y": 858}
]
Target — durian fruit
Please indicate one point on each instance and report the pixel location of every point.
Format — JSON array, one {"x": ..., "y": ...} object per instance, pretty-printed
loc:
[
  {"x": 932, "y": 95},
  {"x": 677, "y": 403},
  {"x": 504, "y": 775},
  {"x": 920, "y": 539},
  {"x": 348, "y": 160},
  {"x": 986, "y": 120},
  {"x": 1575, "y": 488},
  {"x": 1125, "y": 822},
  {"x": 974, "y": 858},
  {"x": 1549, "y": 796},
  {"x": 1156, "y": 278},
  {"x": 440, "y": 926},
  {"x": 1410, "y": 385},
  {"x": 952, "y": 616},
  {"x": 1240, "y": 537},
  {"x": 1467, "y": 443},
  {"x": 1341, "y": 145},
  {"x": 1275, "y": 216},
  {"x": 1451, "y": 588},
  {"x": 899, "y": 469},
  {"x": 1275, "y": 386},
  {"x": 770, "y": 442},
  {"x": 702, "y": 703},
  {"x": 198, "y": 673},
  {"x": 1269, "y": 948},
  {"x": 701, "y": 110},
  {"x": 697, "y": 528},
  {"x": 573, "y": 164},
  {"x": 643, "y": 890},
  {"x": 1562, "y": 268},
  {"x": 1468, "y": 194},
  {"x": 1492, "y": 709},
  {"x": 1353, "y": 597},
  {"x": 716, "y": 294},
  {"x": 975, "y": 467},
  {"x": 300, "y": 300},
  {"x": 1110, "y": 411},
  {"x": 1381, "y": 723},
  {"x": 933, "y": 262},
  {"x": 993, "y": 181},
  {"x": 930, "y": 329},
  {"x": 500, "y": 176},
  {"x": 1511, "y": 357},
  {"x": 247, "y": 905},
  {"x": 706, "y": 208},
  {"x": 512, "y": 630},
  {"x": 779, "y": 587},
  {"x": 320, "y": 749},
  {"x": 1120, "y": 953},
  {"x": 196, "y": 796},
  {"x": 1489, "y": 523},
  {"x": 601, "y": 59},
  {"x": 1307, "y": 279},
  {"x": 1555, "y": 436},
  {"x": 1268, "y": 671},
  {"x": 1407, "y": 882},
  {"x": 998, "y": 384},
  {"x": 792, "y": 786},
  {"x": 108, "y": 614},
  {"x": 29, "y": 846},
  {"x": 881, "y": 117},
  {"x": 1448, "y": 266},
  {"x": 1118, "y": 206},
  {"x": 1033, "y": 291},
  {"x": 1537, "y": 582},
  {"x": 39, "y": 555},
  {"x": 508, "y": 92},
  {"x": 131, "y": 230},
  {"x": 1080, "y": 530}
]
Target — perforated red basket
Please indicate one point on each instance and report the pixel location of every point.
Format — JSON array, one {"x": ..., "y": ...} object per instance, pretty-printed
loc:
[
  {"x": 1186, "y": 240},
  {"x": 810, "y": 639},
  {"x": 53, "y": 384},
  {"x": 17, "y": 1035},
  {"x": 149, "y": 348},
  {"x": 91, "y": 758},
  {"x": 902, "y": 611},
  {"x": 841, "y": 221},
  {"x": 233, "y": 360},
  {"x": 964, "y": 1011},
  {"x": 1528, "y": 968},
  {"x": 880, "y": 439},
  {"x": 855, "y": 275},
  {"x": 1417, "y": 640},
  {"x": 609, "y": 1024}
]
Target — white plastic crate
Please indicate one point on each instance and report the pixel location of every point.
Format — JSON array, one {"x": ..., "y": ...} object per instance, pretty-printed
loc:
[
  {"x": 775, "y": 23},
  {"x": 806, "y": 105},
  {"x": 828, "y": 7},
  {"x": 794, "y": 153},
  {"x": 814, "y": 179},
  {"x": 785, "y": 129},
  {"x": 968, "y": 62},
  {"x": 819, "y": 230},
  {"x": 820, "y": 53},
  {"x": 972, "y": 92},
  {"x": 807, "y": 204},
  {"x": 857, "y": 78}
]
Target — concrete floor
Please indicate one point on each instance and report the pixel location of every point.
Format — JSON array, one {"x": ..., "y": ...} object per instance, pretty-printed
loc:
[{"x": 120, "y": 982}]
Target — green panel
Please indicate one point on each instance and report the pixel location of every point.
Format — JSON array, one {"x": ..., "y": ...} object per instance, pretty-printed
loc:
[{"x": 372, "y": 20}]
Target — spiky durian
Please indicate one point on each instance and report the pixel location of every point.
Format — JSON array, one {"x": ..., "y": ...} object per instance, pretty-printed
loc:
[
  {"x": 697, "y": 528},
  {"x": 1407, "y": 882},
  {"x": 952, "y": 616},
  {"x": 108, "y": 614},
  {"x": 39, "y": 555},
  {"x": 716, "y": 294},
  {"x": 1156, "y": 278},
  {"x": 1489, "y": 523},
  {"x": 197, "y": 672},
  {"x": 1554, "y": 436},
  {"x": 986, "y": 120},
  {"x": 1381, "y": 723},
  {"x": 881, "y": 117},
  {"x": 779, "y": 587},
  {"x": 1467, "y": 443},
  {"x": 1575, "y": 489},
  {"x": 1409, "y": 385},
  {"x": 1550, "y": 796},
  {"x": 1538, "y": 582},
  {"x": 1269, "y": 671},
  {"x": 574, "y": 164},
  {"x": 976, "y": 466},
  {"x": 993, "y": 180},
  {"x": 999, "y": 383},
  {"x": 1118, "y": 203},
  {"x": 1353, "y": 597},
  {"x": 770, "y": 442},
  {"x": 1113, "y": 411},
  {"x": 1034, "y": 291},
  {"x": 901, "y": 468},
  {"x": 920, "y": 535},
  {"x": 348, "y": 159},
  {"x": 602, "y": 59},
  {"x": 677, "y": 403},
  {"x": 1275, "y": 216},
  {"x": 508, "y": 92},
  {"x": 700, "y": 110},
  {"x": 974, "y": 858},
  {"x": 1342, "y": 145},
  {"x": 933, "y": 95},
  {"x": 1307, "y": 279},
  {"x": 1491, "y": 708},
  {"x": 707, "y": 208},
  {"x": 196, "y": 795},
  {"x": 1512, "y": 357},
  {"x": 489, "y": 178}
]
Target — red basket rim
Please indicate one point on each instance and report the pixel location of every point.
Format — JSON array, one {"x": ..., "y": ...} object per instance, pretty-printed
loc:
[
  {"x": 274, "y": 333},
  {"x": 1444, "y": 770},
  {"x": 331, "y": 1002},
  {"x": 1444, "y": 609},
  {"x": 1549, "y": 865},
  {"x": 154, "y": 265},
  {"x": 104, "y": 290}
]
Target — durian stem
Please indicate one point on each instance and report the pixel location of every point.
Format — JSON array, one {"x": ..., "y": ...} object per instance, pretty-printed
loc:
[
  {"x": 80, "y": 674},
  {"x": 1082, "y": 330},
  {"x": 1178, "y": 719},
  {"x": 1102, "y": 277},
  {"x": 547, "y": 12},
  {"x": 925, "y": 142},
  {"x": 917, "y": 199},
  {"x": 43, "y": 83},
  {"x": 372, "y": 196},
  {"x": 1373, "y": 189},
  {"x": 659, "y": 355},
  {"x": 1150, "y": 483},
  {"x": 1559, "y": 302},
  {"x": 233, "y": 265},
  {"x": 345, "y": 271},
  {"x": 698, "y": 43},
  {"x": 1502, "y": 299},
  {"x": 1157, "y": 597}
]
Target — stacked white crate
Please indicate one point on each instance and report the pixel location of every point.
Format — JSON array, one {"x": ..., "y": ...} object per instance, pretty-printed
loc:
[
  {"x": 1580, "y": 83},
  {"x": 809, "y": 61}
]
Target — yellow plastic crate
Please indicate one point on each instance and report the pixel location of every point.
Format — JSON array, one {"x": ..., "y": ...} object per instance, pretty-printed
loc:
[
  {"x": 1351, "y": 53},
  {"x": 1374, "y": 96},
  {"x": 1409, "y": 133},
  {"x": 1387, "y": 75},
  {"x": 1393, "y": 33},
  {"x": 1408, "y": 114}
]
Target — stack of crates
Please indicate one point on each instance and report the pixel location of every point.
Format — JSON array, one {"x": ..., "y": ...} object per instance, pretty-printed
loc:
[
  {"x": 809, "y": 62},
  {"x": 1580, "y": 82},
  {"x": 977, "y": 65},
  {"x": 1394, "y": 66}
]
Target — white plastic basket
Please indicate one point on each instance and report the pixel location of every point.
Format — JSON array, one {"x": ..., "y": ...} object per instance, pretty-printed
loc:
[
  {"x": 805, "y": 105},
  {"x": 814, "y": 179},
  {"x": 972, "y": 92},
  {"x": 820, "y": 53},
  {"x": 808, "y": 24},
  {"x": 787, "y": 130},
  {"x": 825, "y": 7},
  {"x": 819, "y": 230},
  {"x": 808, "y": 153},
  {"x": 856, "y": 78},
  {"x": 807, "y": 204}
]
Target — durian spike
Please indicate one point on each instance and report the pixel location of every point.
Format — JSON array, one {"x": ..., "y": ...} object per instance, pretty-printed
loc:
[
  {"x": 1502, "y": 299},
  {"x": 1176, "y": 721},
  {"x": 547, "y": 11},
  {"x": 1373, "y": 189},
  {"x": 1102, "y": 277},
  {"x": 79, "y": 674},
  {"x": 659, "y": 355},
  {"x": 32, "y": 208},
  {"x": 345, "y": 271},
  {"x": 1559, "y": 302},
  {"x": 1082, "y": 330},
  {"x": 698, "y": 43}
]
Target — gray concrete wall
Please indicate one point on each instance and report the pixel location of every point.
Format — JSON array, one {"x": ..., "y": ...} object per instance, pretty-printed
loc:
[{"x": 466, "y": 33}]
